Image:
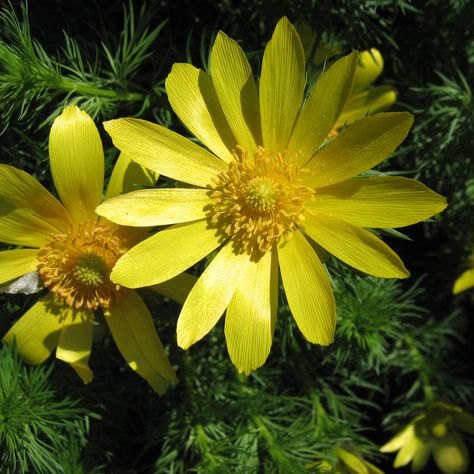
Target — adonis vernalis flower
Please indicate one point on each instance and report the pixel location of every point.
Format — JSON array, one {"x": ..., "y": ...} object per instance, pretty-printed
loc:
[
  {"x": 74, "y": 250},
  {"x": 265, "y": 191},
  {"x": 435, "y": 432}
]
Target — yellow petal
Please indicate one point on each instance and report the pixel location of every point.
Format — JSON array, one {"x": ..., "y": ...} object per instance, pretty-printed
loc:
[
  {"x": 164, "y": 151},
  {"x": 369, "y": 67},
  {"x": 399, "y": 439},
  {"x": 210, "y": 296},
  {"x": 134, "y": 333},
  {"x": 176, "y": 288},
  {"x": 29, "y": 214},
  {"x": 15, "y": 263},
  {"x": 420, "y": 458},
  {"x": 37, "y": 332},
  {"x": 282, "y": 84},
  {"x": 362, "y": 146},
  {"x": 165, "y": 255},
  {"x": 75, "y": 342},
  {"x": 464, "y": 282},
  {"x": 322, "y": 109},
  {"x": 153, "y": 207},
  {"x": 355, "y": 246},
  {"x": 193, "y": 97},
  {"x": 235, "y": 86},
  {"x": 379, "y": 201},
  {"x": 369, "y": 102},
  {"x": 307, "y": 290},
  {"x": 128, "y": 176},
  {"x": 353, "y": 462},
  {"x": 250, "y": 318},
  {"x": 408, "y": 451},
  {"x": 451, "y": 454},
  {"x": 77, "y": 162}
]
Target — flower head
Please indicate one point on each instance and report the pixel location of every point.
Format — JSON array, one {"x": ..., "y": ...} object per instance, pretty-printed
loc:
[
  {"x": 73, "y": 251},
  {"x": 349, "y": 461},
  {"x": 269, "y": 186},
  {"x": 434, "y": 432}
]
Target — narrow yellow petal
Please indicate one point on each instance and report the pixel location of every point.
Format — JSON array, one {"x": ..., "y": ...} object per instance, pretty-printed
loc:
[
  {"x": 307, "y": 290},
  {"x": 29, "y": 214},
  {"x": 369, "y": 67},
  {"x": 282, "y": 84},
  {"x": 420, "y": 458},
  {"x": 407, "y": 452},
  {"x": 164, "y": 151},
  {"x": 37, "y": 332},
  {"x": 369, "y": 102},
  {"x": 210, "y": 296},
  {"x": 153, "y": 207},
  {"x": 176, "y": 288},
  {"x": 362, "y": 146},
  {"x": 451, "y": 454},
  {"x": 235, "y": 86},
  {"x": 353, "y": 462},
  {"x": 128, "y": 176},
  {"x": 165, "y": 255},
  {"x": 249, "y": 321},
  {"x": 15, "y": 263},
  {"x": 464, "y": 281},
  {"x": 77, "y": 162},
  {"x": 399, "y": 439},
  {"x": 136, "y": 338},
  {"x": 355, "y": 246},
  {"x": 322, "y": 109},
  {"x": 75, "y": 343},
  {"x": 193, "y": 97},
  {"x": 379, "y": 201}
]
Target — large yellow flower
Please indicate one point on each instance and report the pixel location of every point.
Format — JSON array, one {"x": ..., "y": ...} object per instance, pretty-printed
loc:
[
  {"x": 74, "y": 250},
  {"x": 263, "y": 194}
]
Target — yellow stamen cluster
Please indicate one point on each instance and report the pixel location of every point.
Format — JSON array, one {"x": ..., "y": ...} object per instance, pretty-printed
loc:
[
  {"x": 76, "y": 265},
  {"x": 259, "y": 200}
]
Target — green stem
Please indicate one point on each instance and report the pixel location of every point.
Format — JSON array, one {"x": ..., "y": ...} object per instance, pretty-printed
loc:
[
  {"x": 420, "y": 364},
  {"x": 71, "y": 85}
]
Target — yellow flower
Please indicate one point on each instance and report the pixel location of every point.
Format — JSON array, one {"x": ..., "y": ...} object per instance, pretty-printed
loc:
[
  {"x": 74, "y": 250},
  {"x": 466, "y": 279},
  {"x": 364, "y": 100},
  {"x": 436, "y": 432},
  {"x": 262, "y": 194}
]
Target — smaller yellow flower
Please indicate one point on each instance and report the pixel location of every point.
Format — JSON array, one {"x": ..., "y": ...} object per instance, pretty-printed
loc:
[
  {"x": 365, "y": 99},
  {"x": 466, "y": 279},
  {"x": 72, "y": 251},
  {"x": 436, "y": 432}
]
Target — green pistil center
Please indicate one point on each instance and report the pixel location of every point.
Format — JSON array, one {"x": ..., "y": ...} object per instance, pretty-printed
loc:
[
  {"x": 261, "y": 194},
  {"x": 90, "y": 269}
]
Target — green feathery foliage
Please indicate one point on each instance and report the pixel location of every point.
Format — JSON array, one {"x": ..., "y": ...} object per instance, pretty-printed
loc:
[{"x": 34, "y": 426}]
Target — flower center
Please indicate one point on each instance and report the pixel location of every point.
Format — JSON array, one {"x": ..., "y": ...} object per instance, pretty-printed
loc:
[
  {"x": 261, "y": 194},
  {"x": 258, "y": 200},
  {"x": 75, "y": 266}
]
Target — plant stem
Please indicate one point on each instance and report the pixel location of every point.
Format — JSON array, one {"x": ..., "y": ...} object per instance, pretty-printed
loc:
[
  {"x": 71, "y": 85},
  {"x": 420, "y": 364}
]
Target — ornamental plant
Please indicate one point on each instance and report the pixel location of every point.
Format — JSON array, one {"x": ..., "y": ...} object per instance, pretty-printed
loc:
[
  {"x": 71, "y": 251},
  {"x": 270, "y": 192}
]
